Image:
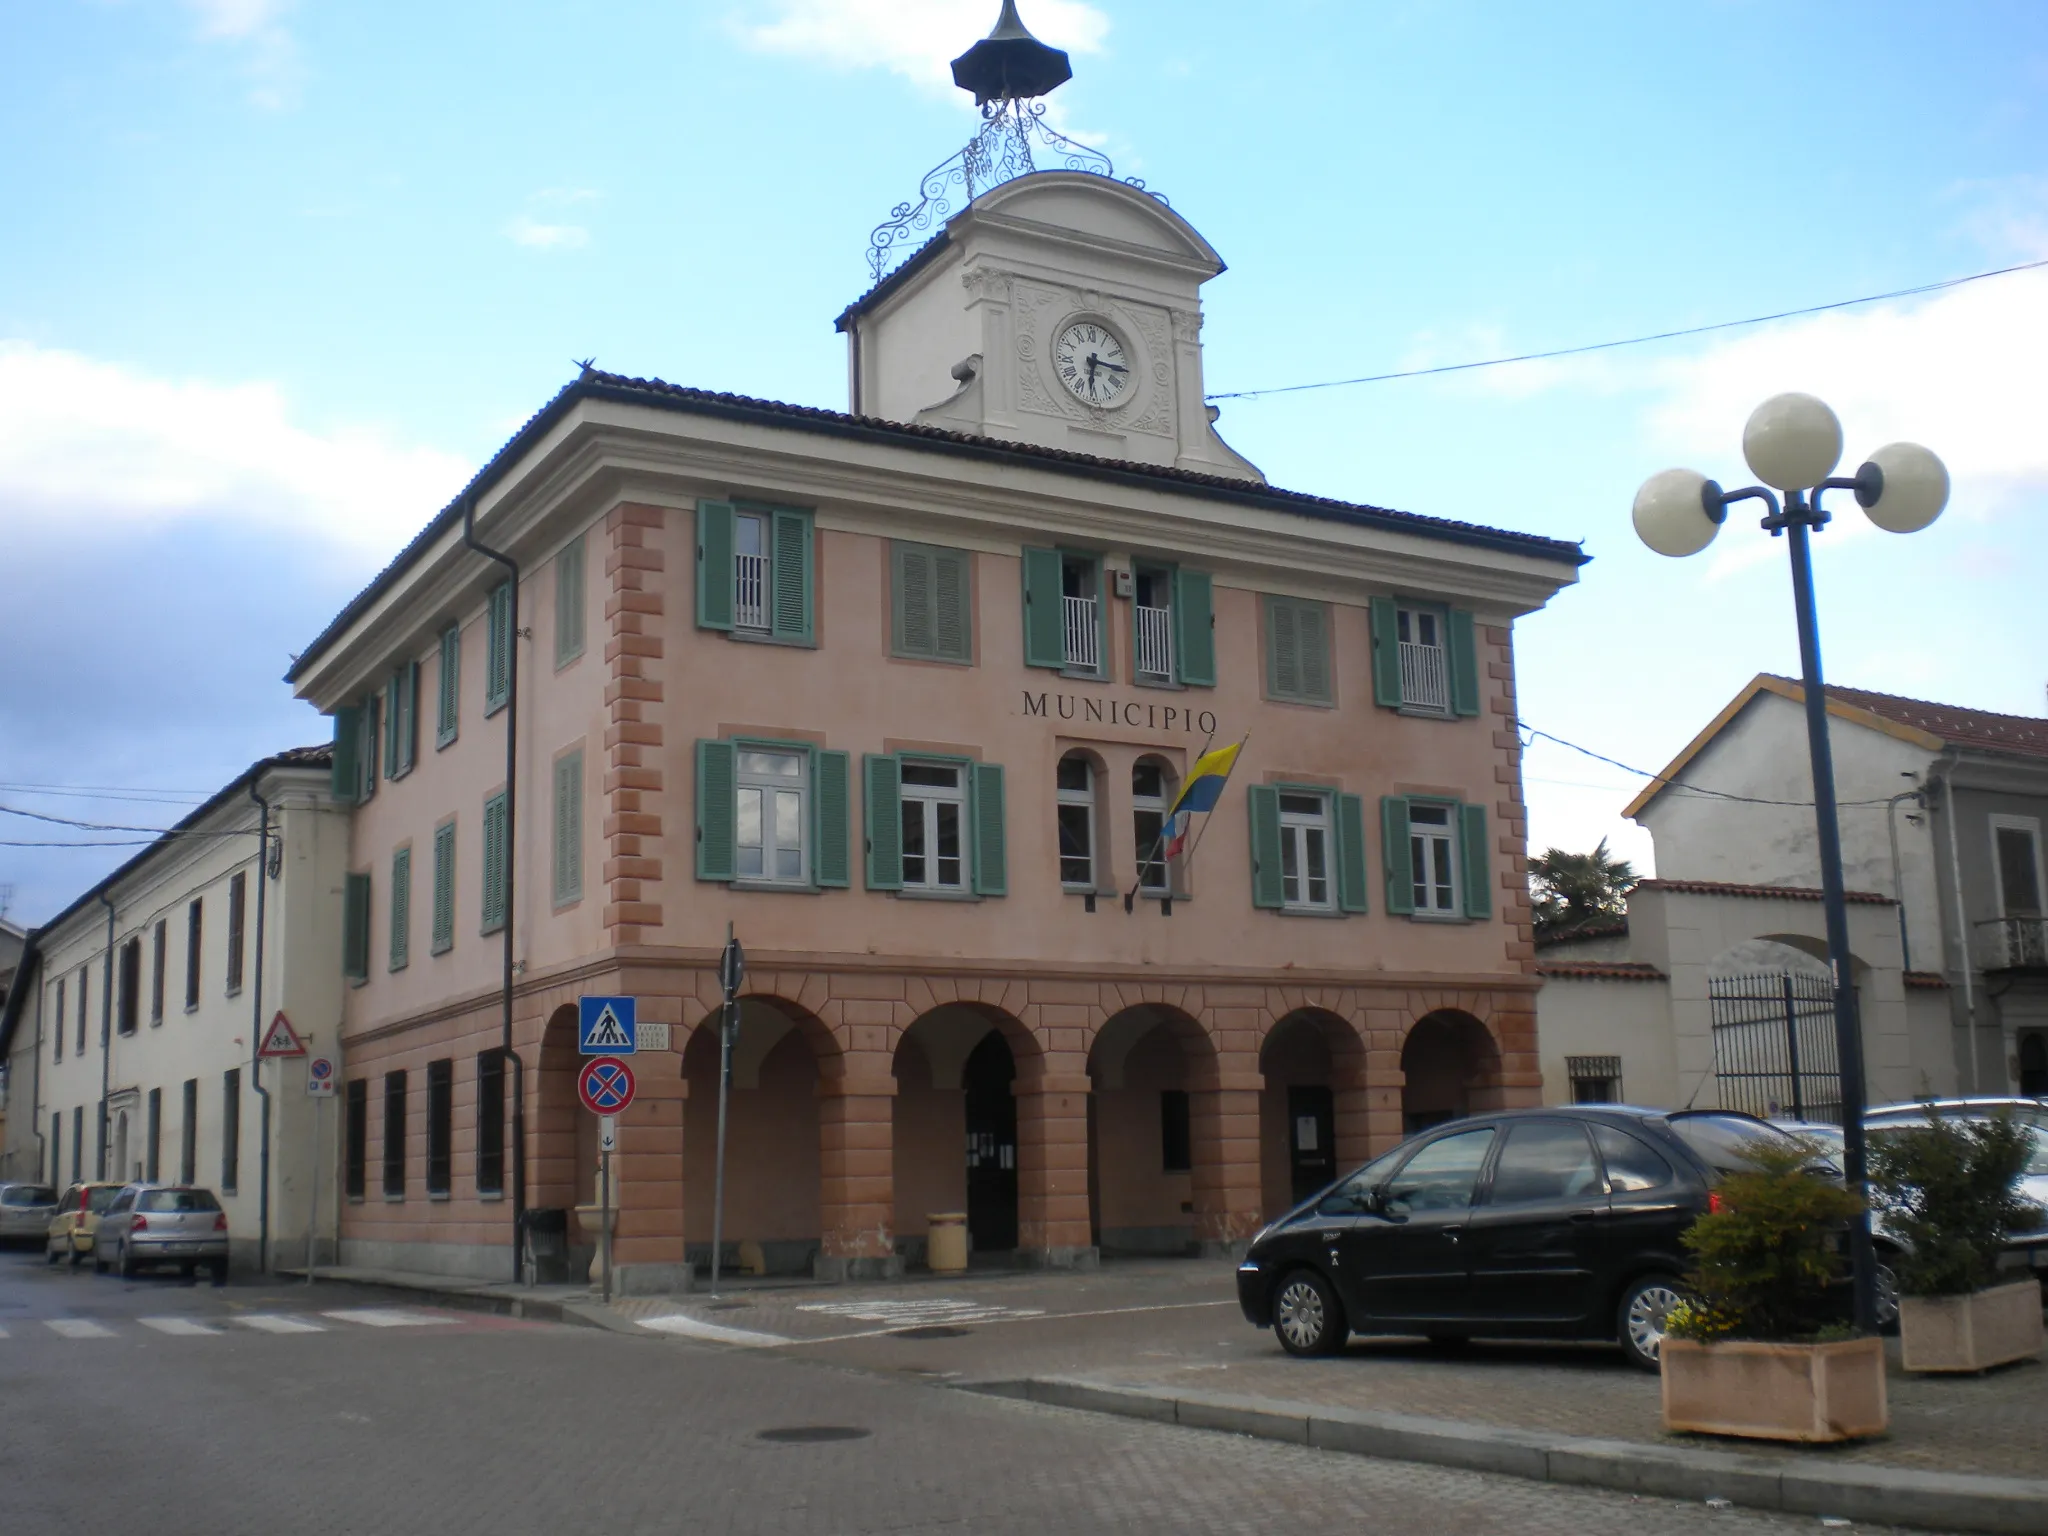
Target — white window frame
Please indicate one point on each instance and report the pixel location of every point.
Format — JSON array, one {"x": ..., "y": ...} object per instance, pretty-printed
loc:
[
  {"x": 927, "y": 802},
  {"x": 759, "y": 617},
  {"x": 1157, "y": 805},
  {"x": 1084, "y": 799},
  {"x": 1296, "y": 827},
  {"x": 1423, "y": 888},
  {"x": 765, "y": 783}
]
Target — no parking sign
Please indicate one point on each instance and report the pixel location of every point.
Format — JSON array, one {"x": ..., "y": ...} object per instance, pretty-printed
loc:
[
  {"x": 605, "y": 1086},
  {"x": 319, "y": 1078}
]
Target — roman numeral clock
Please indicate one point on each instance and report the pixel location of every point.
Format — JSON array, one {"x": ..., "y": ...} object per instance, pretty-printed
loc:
[{"x": 1092, "y": 363}]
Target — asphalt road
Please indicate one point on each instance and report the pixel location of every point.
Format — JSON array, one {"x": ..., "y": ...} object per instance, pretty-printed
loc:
[{"x": 159, "y": 1405}]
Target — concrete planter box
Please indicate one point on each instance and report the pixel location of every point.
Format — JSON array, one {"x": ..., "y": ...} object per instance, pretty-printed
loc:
[
  {"x": 1973, "y": 1332},
  {"x": 1806, "y": 1392}
]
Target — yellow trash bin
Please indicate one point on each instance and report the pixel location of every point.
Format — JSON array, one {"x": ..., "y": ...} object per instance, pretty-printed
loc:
[{"x": 946, "y": 1245}]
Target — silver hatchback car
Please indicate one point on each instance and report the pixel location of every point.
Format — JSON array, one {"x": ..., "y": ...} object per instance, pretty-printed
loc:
[
  {"x": 154, "y": 1224},
  {"x": 25, "y": 1210}
]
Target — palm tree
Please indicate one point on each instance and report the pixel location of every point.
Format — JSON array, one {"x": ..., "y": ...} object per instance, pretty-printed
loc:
[{"x": 1573, "y": 891}]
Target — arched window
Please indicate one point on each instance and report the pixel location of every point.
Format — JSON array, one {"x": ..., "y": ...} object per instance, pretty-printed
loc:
[
  {"x": 1152, "y": 790},
  {"x": 1076, "y": 813}
]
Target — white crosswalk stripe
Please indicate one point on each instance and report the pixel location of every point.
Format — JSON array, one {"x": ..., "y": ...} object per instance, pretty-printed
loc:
[
  {"x": 77, "y": 1328},
  {"x": 384, "y": 1317},
  {"x": 179, "y": 1327},
  {"x": 271, "y": 1322}
]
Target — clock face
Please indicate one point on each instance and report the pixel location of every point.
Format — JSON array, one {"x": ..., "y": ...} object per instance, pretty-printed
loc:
[{"x": 1092, "y": 363}]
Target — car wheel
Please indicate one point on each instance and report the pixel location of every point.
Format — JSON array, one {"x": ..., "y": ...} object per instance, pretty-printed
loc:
[
  {"x": 1307, "y": 1317},
  {"x": 50, "y": 1253},
  {"x": 124, "y": 1265},
  {"x": 186, "y": 1271},
  {"x": 99, "y": 1260},
  {"x": 1639, "y": 1320},
  {"x": 77, "y": 1257},
  {"x": 220, "y": 1271},
  {"x": 1887, "y": 1296}
]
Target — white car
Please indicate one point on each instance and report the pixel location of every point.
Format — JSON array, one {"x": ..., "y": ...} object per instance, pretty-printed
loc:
[
  {"x": 25, "y": 1211},
  {"x": 2025, "y": 1250}
]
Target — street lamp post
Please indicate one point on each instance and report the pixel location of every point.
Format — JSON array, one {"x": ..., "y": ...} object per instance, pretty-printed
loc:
[{"x": 1792, "y": 444}]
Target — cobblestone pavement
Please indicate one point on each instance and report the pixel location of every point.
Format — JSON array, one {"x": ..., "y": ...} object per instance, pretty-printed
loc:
[
  {"x": 1175, "y": 1324},
  {"x": 394, "y": 1430}
]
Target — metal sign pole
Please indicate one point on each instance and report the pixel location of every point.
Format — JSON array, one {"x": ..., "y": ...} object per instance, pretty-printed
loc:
[
  {"x": 727, "y": 1022},
  {"x": 604, "y": 1229},
  {"x": 313, "y": 1204}
]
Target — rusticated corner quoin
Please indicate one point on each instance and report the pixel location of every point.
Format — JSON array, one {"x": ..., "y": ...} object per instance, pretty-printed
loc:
[{"x": 635, "y": 604}]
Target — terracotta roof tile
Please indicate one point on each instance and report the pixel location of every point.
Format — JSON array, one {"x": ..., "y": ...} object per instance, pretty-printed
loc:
[
  {"x": 1600, "y": 970},
  {"x": 1926, "y": 979},
  {"x": 1980, "y": 728},
  {"x": 1617, "y": 929},
  {"x": 1761, "y": 892}
]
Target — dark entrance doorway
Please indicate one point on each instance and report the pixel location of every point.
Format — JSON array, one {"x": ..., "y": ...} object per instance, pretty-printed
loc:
[
  {"x": 991, "y": 1145},
  {"x": 1311, "y": 1139}
]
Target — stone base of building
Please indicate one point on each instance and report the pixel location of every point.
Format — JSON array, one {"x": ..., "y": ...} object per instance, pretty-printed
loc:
[
  {"x": 834, "y": 1270},
  {"x": 653, "y": 1280},
  {"x": 1059, "y": 1258},
  {"x": 458, "y": 1261}
]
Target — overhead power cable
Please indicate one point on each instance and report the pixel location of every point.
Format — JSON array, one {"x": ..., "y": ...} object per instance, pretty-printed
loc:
[
  {"x": 1629, "y": 341},
  {"x": 1533, "y": 734},
  {"x": 133, "y": 842}
]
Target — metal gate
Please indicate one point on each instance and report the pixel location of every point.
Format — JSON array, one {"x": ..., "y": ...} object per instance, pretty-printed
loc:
[{"x": 1774, "y": 1046}]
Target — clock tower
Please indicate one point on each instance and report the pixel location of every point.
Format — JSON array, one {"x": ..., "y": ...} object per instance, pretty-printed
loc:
[{"x": 1060, "y": 308}]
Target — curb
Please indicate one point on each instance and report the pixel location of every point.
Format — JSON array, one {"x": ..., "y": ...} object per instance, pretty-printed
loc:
[
  {"x": 1941, "y": 1501},
  {"x": 585, "y": 1314}
]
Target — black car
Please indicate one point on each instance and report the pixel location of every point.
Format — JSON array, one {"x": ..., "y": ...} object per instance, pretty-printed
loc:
[{"x": 1542, "y": 1223}]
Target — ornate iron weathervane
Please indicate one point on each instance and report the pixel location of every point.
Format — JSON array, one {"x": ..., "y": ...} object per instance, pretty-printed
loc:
[{"x": 1006, "y": 72}]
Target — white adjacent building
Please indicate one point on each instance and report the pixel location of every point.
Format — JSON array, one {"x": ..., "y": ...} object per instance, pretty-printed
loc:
[{"x": 131, "y": 1032}]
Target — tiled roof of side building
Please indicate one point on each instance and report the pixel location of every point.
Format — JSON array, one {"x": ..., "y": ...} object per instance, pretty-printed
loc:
[
  {"x": 2024, "y": 734},
  {"x": 1759, "y": 892},
  {"x": 592, "y": 384},
  {"x": 1600, "y": 970},
  {"x": 1616, "y": 929}
]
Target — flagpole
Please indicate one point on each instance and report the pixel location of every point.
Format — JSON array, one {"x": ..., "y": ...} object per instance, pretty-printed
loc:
[
  {"x": 1205, "y": 820},
  {"x": 1131, "y": 896}
]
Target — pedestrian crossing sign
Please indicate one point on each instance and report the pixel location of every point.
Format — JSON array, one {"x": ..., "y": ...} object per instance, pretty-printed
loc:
[{"x": 605, "y": 1026}]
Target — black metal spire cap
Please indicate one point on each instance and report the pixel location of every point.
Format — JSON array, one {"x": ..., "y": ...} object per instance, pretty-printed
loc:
[{"x": 1010, "y": 64}]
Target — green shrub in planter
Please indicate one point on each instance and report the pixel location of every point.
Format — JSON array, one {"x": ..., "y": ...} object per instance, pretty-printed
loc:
[
  {"x": 1767, "y": 1253},
  {"x": 1950, "y": 1188}
]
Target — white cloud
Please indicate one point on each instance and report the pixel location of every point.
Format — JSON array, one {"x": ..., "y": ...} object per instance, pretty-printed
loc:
[
  {"x": 546, "y": 237},
  {"x": 916, "y": 39},
  {"x": 93, "y": 448},
  {"x": 271, "y": 53}
]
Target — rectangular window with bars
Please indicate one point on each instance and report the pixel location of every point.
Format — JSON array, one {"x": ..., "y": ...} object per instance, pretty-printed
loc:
[
  {"x": 448, "y": 688},
  {"x": 158, "y": 943},
  {"x": 394, "y": 1135},
  {"x": 356, "y": 1139},
  {"x": 1594, "y": 1079},
  {"x": 444, "y": 888},
  {"x": 440, "y": 1124},
  {"x": 569, "y": 604},
  {"x": 401, "y": 908},
  {"x": 194, "y": 919},
  {"x": 568, "y": 829},
  {"x": 188, "y": 1138},
  {"x": 85, "y": 986},
  {"x": 754, "y": 571},
  {"x": 401, "y": 720},
  {"x": 1425, "y": 658},
  {"x": 128, "y": 1005},
  {"x": 490, "y": 1122},
  {"x": 497, "y": 863},
  {"x": 57, "y": 1013},
  {"x": 238, "y": 921},
  {"x": 1298, "y": 651},
  {"x": 153, "y": 1164}
]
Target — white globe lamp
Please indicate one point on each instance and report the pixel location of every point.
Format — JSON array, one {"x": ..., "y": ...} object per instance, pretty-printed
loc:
[
  {"x": 1792, "y": 441},
  {"x": 1676, "y": 512},
  {"x": 1911, "y": 488}
]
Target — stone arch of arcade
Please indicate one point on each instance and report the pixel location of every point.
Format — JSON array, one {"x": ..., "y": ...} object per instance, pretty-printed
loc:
[{"x": 1452, "y": 1065}]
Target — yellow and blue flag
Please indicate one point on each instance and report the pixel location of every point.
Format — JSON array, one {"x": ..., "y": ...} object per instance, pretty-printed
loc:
[{"x": 1201, "y": 792}]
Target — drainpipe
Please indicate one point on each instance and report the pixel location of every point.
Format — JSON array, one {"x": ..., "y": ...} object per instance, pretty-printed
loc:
[
  {"x": 511, "y": 871},
  {"x": 1891, "y": 825},
  {"x": 1967, "y": 965},
  {"x": 106, "y": 1037},
  {"x": 256, "y": 1038},
  {"x": 30, "y": 965}
]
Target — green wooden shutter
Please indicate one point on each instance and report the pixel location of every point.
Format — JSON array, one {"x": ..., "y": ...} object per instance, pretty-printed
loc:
[
  {"x": 569, "y": 601},
  {"x": 1477, "y": 859},
  {"x": 497, "y": 864},
  {"x": 831, "y": 801},
  {"x": 1194, "y": 628},
  {"x": 717, "y": 810},
  {"x": 714, "y": 565},
  {"x": 1464, "y": 660},
  {"x": 882, "y": 780},
  {"x": 1314, "y": 625},
  {"x": 444, "y": 888},
  {"x": 394, "y": 718},
  {"x": 791, "y": 567},
  {"x": 952, "y": 606},
  {"x": 449, "y": 715},
  {"x": 1044, "y": 632},
  {"x": 498, "y": 651},
  {"x": 1396, "y": 856},
  {"x": 373, "y": 744},
  {"x": 401, "y": 909},
  {"x": 991, "y": 852},
  {"x": 355, "y": 928},
  {"x": 1263, "y": 801},
  {"x": 345, "y": 778},
  {"x": 1351, "y": 876},
  {"x": 1386, "y": 654},
  {"x": 1283, "y": 650},
  {"x": 914, "y": 620},
  {"x": 568, "y": 850}
]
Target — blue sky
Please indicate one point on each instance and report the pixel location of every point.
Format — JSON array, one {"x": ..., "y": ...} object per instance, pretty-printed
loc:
[{"x": 275, "y": 277}]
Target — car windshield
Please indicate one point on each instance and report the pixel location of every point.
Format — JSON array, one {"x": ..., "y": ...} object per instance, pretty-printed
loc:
[
  {"x": 28, "y": 1194},
  {"x": 176, "y": 1200},
  {"x": 99, "y": 1199},
  {"x": 1724, "y": 1141},
  {"x": 2037, "y": 1160}
]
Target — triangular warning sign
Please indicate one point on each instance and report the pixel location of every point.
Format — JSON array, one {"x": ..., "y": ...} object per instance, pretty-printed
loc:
[
  {"x": 608, "y": 1034},
  {"x": 281, "y": 1040}
]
